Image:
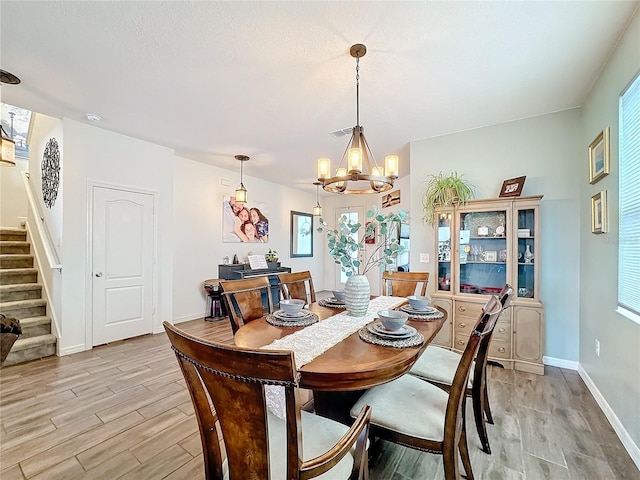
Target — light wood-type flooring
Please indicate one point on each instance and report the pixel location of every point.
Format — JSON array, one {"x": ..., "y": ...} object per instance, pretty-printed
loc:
[{"x": 121, "y": 411}]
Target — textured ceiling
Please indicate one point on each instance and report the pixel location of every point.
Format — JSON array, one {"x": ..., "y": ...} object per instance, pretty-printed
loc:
[{"x": 272, "y": 79}]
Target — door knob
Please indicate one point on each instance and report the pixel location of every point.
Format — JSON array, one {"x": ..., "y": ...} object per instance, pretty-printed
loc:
[{"x": 99, "y": 274}]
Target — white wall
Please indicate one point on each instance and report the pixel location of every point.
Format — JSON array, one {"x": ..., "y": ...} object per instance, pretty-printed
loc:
[
  {"x": 198, "y": 245},
  {"x": 95, "y": 155},
  {"x": 548, "y": 150},
  {"x": 13, "y": 200},
  {"x": 616, "y": 372},
  {"x": 46, "y": 128}
]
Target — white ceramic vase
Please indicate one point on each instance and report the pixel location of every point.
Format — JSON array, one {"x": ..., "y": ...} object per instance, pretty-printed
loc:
[{"x": 357, "y": 292}]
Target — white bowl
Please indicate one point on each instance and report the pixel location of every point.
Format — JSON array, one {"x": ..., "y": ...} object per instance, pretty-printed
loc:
[
  {"x": 291, "y": 307},
  {"x": 393, "y": 319},
  {"x": 340, "y": 295},
  {"x": 418, "y": 302}
]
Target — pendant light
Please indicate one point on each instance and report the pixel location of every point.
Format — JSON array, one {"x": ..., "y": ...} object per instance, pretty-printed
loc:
[
  {"x": 317, "y": 210},
  {"x": 362, "y": 173},
  {"x": 8, "y": 158},
  {"x": 241, "y": 192}
]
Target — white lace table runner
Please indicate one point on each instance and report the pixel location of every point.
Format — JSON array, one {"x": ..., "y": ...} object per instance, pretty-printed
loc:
[{"x": 314, "y": 340}]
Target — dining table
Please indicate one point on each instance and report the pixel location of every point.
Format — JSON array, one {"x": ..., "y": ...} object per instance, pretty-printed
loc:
[{"x": 343, "y": 372}]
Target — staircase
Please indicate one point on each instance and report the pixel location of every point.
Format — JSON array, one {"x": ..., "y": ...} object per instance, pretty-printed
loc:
[{"x": 21, "y": 298}]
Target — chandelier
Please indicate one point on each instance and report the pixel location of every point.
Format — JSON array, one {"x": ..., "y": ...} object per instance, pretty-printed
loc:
[
  {"x": 362, "y": 173},
  {"x": 317, "y": 210}
]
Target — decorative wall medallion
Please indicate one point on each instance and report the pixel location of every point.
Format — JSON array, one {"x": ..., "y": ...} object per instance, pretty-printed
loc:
[{"x": 50, "y": 172}]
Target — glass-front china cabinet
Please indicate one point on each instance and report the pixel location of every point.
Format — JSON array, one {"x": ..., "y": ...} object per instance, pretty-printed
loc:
[{"x": 480, "y": 247}]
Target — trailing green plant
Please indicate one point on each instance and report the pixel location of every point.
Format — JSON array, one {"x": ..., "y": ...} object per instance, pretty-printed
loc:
[
  {"x": 345, "y": 250},
  {"x": 443, "y": 191},
  {"x": 271, "y": 256}
]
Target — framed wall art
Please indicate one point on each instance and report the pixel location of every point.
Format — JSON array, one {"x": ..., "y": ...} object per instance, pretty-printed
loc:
[
  {"x": 599, "y": 212},
  {"x": 512, "y": 187},
  {"x": 599, "y": 157},
  {"x": 301, "y": 234}
]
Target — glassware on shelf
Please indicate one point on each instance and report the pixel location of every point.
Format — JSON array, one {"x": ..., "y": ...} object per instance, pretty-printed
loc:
[{"x": 528, "y": 255}]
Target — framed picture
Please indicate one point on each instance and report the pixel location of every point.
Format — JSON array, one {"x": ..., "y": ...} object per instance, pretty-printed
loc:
[
  {"x": 512, "y": 187},
  {"x": 371, "y": 239},
  {"x": 599, "y": 157},
  {"x": 391, "y": 199},
  {"x": 599, "y": 212}
]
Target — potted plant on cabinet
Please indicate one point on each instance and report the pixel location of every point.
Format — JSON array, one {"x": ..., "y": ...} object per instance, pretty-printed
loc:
[
  {"x": 345, "y": 251},
  {"x": 443, "y": 191},
  {"x": 271, "y": 256}
]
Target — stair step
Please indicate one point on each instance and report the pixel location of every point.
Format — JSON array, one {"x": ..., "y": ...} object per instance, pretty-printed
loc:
[
  {"x": 35, "y": 326},
  {"x": 16, "y": 261},
  {"x": 26, "y": 349},
  {"x": 13, "y": 234},
  {"x": 20, "y": 291},
  {"x": 15, "y": 247},
  {"x": 12, "y": 276},
  {"x": 24, "y": 308}
]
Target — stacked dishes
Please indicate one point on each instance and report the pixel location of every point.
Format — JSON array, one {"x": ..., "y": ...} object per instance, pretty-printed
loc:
[
  {"x": 331, "y": 302},
  {"x": 418, "y": 305}
]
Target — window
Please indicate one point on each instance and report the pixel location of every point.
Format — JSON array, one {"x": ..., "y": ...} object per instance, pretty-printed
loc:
[
  {"x": 629, "y": 244},
  {"x": 16, "y": 122}
]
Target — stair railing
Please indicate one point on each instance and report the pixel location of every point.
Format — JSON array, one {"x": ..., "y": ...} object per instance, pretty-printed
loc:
[{"x": 42, "y": 231}]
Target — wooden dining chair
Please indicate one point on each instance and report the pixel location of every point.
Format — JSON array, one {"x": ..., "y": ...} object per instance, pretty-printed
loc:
[
  {"x": 227, "y": 388},
  {"x": 403, "y": 284},
  {"x": 297, "y": 285},
  {"x": 244, "y": 299},
  {"x": 438, "y": 366},
  {"x": 419, "y": 415}
]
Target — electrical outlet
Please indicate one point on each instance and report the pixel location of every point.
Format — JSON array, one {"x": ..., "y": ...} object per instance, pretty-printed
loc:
[
  {"x": 424, "y": 258},
  {"x": 597, "y": 348}
]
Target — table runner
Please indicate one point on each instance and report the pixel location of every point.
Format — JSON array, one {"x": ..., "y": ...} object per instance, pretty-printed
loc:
[{"x": 314, "y": 340}]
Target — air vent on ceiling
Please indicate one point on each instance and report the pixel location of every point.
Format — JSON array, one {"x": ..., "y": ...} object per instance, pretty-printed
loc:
[{"x": 342, "y": 132}]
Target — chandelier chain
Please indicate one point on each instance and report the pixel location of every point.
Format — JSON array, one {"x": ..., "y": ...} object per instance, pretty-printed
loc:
[{"x": 358, "y": 90}]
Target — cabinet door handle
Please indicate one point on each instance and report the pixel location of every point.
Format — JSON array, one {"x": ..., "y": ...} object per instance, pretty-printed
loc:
[
  {"x": 462, "y": 309},
  {"x": 462, "y": 325},
  {"x": 501, "y": 349},
  {"x": 460, "y": 342},
  {"x": 502, "y": 330},
  {"x": 99, "y": 274}
]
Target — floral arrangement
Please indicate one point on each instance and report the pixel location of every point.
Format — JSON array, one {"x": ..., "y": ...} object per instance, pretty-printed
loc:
[{"x": 344, "y": 248}]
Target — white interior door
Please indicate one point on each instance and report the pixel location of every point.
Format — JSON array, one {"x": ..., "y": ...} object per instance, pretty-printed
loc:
[
  {"x": 353, "y": 215},
  {"x": 122, "y": 253}
]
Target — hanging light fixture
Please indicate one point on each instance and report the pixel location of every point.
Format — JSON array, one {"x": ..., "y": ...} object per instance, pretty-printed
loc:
[
  {"x": 8, "y": 158},
  {"x": 361, "y": 166},
  {"x": 241, "y": 192},
  {"x": 317, "y": 210}
]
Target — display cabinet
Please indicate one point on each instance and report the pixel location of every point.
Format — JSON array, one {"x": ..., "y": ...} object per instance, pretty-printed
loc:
[{"x": 480, "y": 247}]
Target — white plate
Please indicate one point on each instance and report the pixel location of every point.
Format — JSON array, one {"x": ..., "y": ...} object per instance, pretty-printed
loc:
[
  {"x": 287, "y": 316},
  {"x": 405, "y": 332},
  {"x": 334, "y": 300},
  {"x": 426, "y": 310}
]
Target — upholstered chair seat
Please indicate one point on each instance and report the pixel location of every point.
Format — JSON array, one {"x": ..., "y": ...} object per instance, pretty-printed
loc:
[
  {"x": 393, "y": 406},
  {"x": 439, "y": 365}
]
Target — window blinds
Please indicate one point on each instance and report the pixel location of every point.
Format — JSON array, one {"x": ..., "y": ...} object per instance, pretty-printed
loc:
[{"x": 629, "y": 242}]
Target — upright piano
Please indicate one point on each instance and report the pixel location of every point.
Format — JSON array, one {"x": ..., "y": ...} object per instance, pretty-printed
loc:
[{"x": 243, "y": 270}]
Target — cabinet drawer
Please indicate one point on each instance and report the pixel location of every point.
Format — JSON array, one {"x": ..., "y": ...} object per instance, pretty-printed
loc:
[
  {"x": 468, "y": 309},
  {"x": 502, "y": 331},
  {"x": 499, "y": 349},
  {"x": 464, "y": 325},
  {"x": 460, "y": 342}
]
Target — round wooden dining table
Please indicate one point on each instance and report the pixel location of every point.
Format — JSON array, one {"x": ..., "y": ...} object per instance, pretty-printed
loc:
[{"x": 349, "y": 366}]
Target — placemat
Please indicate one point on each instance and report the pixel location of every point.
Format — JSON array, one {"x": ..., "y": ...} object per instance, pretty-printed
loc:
[
  {"x": 302, "y": 322},
  {"x": 369, "y": 337},
  {"x": 422, "y": 317},
  {"x": 324, "y": 303}
]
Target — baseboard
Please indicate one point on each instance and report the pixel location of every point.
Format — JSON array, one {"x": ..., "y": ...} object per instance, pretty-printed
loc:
[
  {"x": 560, "y": 362},
  {"x": 187, "y": 318},
  {"x": 623, "y": 435},
  {"x": 72, "y": 349}
]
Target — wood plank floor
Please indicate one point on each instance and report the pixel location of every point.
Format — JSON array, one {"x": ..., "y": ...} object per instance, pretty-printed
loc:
[{"x": 122, "y": 411}]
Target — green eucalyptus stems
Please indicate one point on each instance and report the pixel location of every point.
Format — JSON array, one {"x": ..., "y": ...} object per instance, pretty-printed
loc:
[{"x": 345, "y": 250}]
